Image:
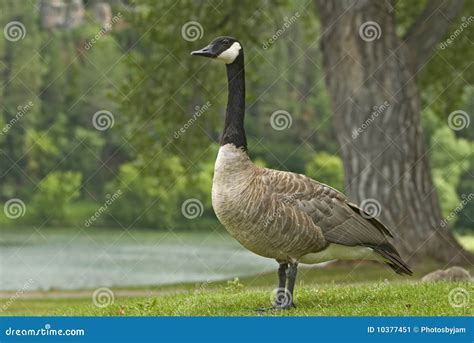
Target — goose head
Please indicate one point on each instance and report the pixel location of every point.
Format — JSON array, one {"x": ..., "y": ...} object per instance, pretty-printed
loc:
[{"x": 225, "y": 49}]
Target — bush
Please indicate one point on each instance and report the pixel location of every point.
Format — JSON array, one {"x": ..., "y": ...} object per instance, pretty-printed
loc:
[
  {"x": 327, "y": 169},
  {"x": 450, "y": 157},
  {"x": 447, "y": 195},
  {"x": 53, "y": 195},
  {"x": 155, "y": 199},
  {"x": 148, "y": 200}
]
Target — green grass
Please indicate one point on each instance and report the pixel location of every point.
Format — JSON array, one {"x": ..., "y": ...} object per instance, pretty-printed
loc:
[
  {"x": 383, "y": 299},
  {"x": 360, "y": 289},
  {"x": 341, "y": 289},
  {"x": 376, "y": 299}
]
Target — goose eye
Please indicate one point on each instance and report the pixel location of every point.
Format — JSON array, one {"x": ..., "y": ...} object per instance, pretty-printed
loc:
[{"x": 225, "y": 41}]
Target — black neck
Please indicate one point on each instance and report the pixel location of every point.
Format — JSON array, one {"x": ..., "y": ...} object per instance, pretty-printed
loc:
[{"x": 234, "y": 120}]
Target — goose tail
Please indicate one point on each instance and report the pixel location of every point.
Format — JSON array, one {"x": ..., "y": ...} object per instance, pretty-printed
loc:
[{"x": 392, "y": 258}]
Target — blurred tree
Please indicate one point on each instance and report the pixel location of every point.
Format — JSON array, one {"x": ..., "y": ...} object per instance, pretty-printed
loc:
[
  {"x": 450, "y": 157},
  {"x": 160, "y": 102},
  {"x": 55, "y": 192},
  {"x": 167, "y": 88},
  {"x": 371, "y": 76},
  {"x": 174, "y": 103},
  {"x": 68, "y": 77},
  {"x": 148, "y": 201},
  {"x": 327, "y": 169},
  {"x": 290, "y": 80},
  {"x": 51, "y": 86},
  {"x": 21, "y": 71}
]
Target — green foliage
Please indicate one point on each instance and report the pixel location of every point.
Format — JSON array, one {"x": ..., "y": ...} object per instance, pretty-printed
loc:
[
  {"x": 451, "y": 157},
  {"x": 141, "y": 71},
  {"x": 65, "y": 84},
  {"x": 158, "y": 96},
  {"x": 160, "y": 101},
  {"x": 149, "y": 201},
  {"x": 406, "y": 13},
  {"x": 78, "y": 82},
  {"x": 449, "y": 71},
  {"x": 327, "y": 169},
  {"x": 286, "y": 157},
  {"x": 466, "y": 187},
  {"x": 54, "y": 194},
  {"x": 447, "y": 194},
  {"x": 199, "y": 183},
  {"x": 234, "y": 286},
  {"x": 21, "y": 70}
]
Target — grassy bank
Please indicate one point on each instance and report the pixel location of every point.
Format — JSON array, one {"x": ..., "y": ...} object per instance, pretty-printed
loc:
[
  {"x": 343, "y": 289},
  {"x": 372, "y": 299},
  {"x": 403, "y": 299}
]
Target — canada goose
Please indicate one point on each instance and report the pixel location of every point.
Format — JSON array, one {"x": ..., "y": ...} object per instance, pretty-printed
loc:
[{"x": 282, "y": 215}]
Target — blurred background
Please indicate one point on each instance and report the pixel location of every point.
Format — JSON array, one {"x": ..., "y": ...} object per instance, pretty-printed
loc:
[{"x": 109, "y": 130}]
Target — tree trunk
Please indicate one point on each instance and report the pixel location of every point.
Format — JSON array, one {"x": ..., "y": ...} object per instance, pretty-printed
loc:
[{"x": 370, "y": 75}]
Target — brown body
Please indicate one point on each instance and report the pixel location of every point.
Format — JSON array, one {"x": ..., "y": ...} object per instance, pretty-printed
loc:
[{"x": 290, "y": 217}]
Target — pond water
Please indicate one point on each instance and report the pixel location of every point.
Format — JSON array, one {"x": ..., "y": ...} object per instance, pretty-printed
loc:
[{"x": 47, "y": 259}]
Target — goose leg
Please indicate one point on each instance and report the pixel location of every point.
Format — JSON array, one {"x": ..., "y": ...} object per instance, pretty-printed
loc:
[
  {"x": 280, "y": 291},
  {"x": 282, "y": 275},
  {"x": 286, "y": 284},
  {"x": 280, "y": 294},
  {"x": 290, "y": 286}
]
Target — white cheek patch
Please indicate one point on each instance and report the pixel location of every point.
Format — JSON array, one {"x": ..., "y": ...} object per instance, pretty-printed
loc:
[{"x": 229, "y": 55}]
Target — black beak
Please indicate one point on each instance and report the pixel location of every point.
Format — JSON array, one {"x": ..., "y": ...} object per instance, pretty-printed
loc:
[{"x": 206, "y": 52}]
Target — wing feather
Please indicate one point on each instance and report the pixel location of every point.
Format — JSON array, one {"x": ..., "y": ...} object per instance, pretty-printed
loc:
[{"x": 341, "y": 221}]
